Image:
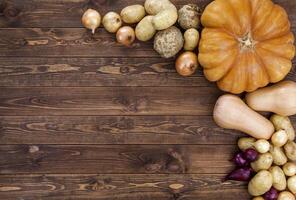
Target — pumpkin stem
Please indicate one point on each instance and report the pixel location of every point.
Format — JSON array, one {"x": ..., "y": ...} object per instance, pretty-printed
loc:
[{"x": 247, "y": 42}]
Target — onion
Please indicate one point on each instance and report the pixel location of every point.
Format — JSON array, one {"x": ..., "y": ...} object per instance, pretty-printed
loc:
[
  {"x": 250, "y": 155},
  {"x": 125, "y": 35},
  {"x": 241, "y": 174},
  {"x": 186, "y": 63},
  {"x": 272, "y": 194},
  {"x": 239, "y": 160},
  {"x": 91, "y": 19}
]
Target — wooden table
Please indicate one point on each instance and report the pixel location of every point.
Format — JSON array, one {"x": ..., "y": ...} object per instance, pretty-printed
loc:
[{"x": 82, "y": 117}]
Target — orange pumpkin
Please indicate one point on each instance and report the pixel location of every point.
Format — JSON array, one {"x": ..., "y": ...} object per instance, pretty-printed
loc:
[{"x": 245, "y": 44}]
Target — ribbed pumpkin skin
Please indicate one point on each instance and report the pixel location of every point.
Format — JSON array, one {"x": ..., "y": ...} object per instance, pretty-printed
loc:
[{"x": 245, "y": 44}]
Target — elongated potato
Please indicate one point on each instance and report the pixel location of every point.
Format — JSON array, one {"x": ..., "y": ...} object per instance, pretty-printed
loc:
[
  {"x": 245, "y": 143},
  {"x": 260, "y": 183},
  {"x": 153, "y": 7},
  {"x": 132, "y": 14},
  {"x": 145, "y": 30},
  {"x": 285, "y": 195},
  {"x": 292, "y": 184},
  {"x": 278, "y": 178},
  {"x": 279, "y": 157},
  {"x": 283, "y": 123},
  {"x": 165, "y": 19},
  {"x": 290, "y": 150},
  {"x": 263, "y": 162},
  {"x": 191, "y": 37},
  {"x": 279, "y": 138}
]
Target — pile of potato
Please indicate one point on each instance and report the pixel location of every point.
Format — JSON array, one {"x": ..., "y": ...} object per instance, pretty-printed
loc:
[
  {"x": 275, "y": 166},
  {"x": 157, "y": 18}
]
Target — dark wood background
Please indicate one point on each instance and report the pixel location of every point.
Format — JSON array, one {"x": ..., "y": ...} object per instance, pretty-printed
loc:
[{"x": 82, "y": 117}]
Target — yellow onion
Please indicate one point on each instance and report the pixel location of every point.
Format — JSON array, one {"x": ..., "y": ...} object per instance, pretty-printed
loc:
[
  {"x": 125, "y": 35},
  {"x": 91, "y": 19},
  {"x": 186, "y": 63}
]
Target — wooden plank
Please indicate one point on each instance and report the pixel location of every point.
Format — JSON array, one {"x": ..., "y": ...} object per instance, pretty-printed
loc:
[
  {"x": 108, "y": 100},
  {"x": 114, "y": 130},
  {"x": 38, "y": 71},
  {"x": 67, "y": 13},
  {"x": 116, "y": 159},
  {"x": 122, "y": 186}
]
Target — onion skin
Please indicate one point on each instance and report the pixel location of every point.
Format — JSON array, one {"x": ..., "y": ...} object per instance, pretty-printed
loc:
[
  {"x": 272, "y": 194},
  {"x": 251, "y": 155},
  {"x": 125, "y": 35},
  {"x": 91, "y": 19},
  {"x": 239, "y": 160},
  {"x": 186, "y": 63},
  {"x": 241, "y": 174}
]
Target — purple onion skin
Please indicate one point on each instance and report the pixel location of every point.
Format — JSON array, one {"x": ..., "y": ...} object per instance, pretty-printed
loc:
[
  {"x": 272, "y": 194},
  {"x": 239, "y": 160},
  {"x": 241, "y": 174},
  {"x": 250, "y": 155}
]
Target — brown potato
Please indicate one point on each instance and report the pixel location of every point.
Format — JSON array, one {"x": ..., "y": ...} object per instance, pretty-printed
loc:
[
  {"x": 290, "y": 150},
  {"x": 279, "y": 179},
  {"x": 263, "y": 162},
  {"x": 133, "y": 14},
  {"x": 279, "y": 157},
  {"x": 245, "y": 143},
  {"x": 283, "y": 123},
  {"x": 260, "y": 183}
]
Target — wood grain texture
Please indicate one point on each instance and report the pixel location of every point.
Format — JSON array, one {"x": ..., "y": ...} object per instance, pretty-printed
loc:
[
  {"x": 108, "y": 101},
  {"x": 37, "y": 71},
  {"x": 122, "y": 186},
  {"x": 116, "y": 159},
  {"x": 57, "y": 72},
  {"x": 114, "y": 130}
]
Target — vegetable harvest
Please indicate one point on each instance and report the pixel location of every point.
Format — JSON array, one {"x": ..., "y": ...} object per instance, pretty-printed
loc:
[{"x": 244, "y": 45}]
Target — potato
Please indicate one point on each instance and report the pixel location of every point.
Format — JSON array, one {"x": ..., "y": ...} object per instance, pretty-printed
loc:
[
  {"x": 245, "y": 143},
  {"x": 165, "y": 19},
  {"x": 112, "y": 22},
  {"x": 153, "y": 7},
  {"x": 258, "y": 198},
  {"x": 191, "y": 37},
  {"x": 189, "y": 16},
  {"x": 145, "y": 30},
  {"x": 263, "y": 162},
  {"x": 168, "y": 42},
  {"x": 262, "y": 146},
  {"x": 286, "y": 196},
  {"x": 132, "y": 14},
  {"x": 290, "y": 150},
  {"x": 283, "y": 123},
  {"x": 279, "y": 179},
  {"x": 292, "y": 184},
  {"x": 289, "y": 169},
  {"x": 260, "y": 183},
  {"x": 279, "y": 138},
  {"x": 279, "y": 157}
]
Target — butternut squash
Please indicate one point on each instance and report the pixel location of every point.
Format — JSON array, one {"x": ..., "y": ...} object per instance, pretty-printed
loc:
[
  {"x": 232, "y": 113},
  {"x": 279, "y": 98}
]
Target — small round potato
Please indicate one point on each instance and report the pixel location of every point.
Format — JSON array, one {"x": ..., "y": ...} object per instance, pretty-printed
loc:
[
  {"x": 279, "y": 179},
  {"x": 285, "y": 195},
  {"x": 290, "y": 150},
  {"x": 245, "y": 143},
  {"x": 191, "y": 37},
  {"x": 145, "y": 30},
  {"x": 263, "y": 162},
  {"x": 260, "y": 183},
  {"x": 262, "y": 146},
  {"x": 292, "y": 184},
  {"x": 279, "y": 138},
  {"x": 279, "y": 157},
  {"x": 289, "y": 169},
  {"x": 112, "y": 22},
  {"x": 133, "y": 14}
]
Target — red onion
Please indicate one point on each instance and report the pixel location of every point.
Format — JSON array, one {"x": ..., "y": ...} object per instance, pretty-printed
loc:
[
  {"x": 250, "y": 155},
  {"x": 272, "y": 194},
  {"x": 241, "y": 174},
  {"x": 239, "y": 160}
]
